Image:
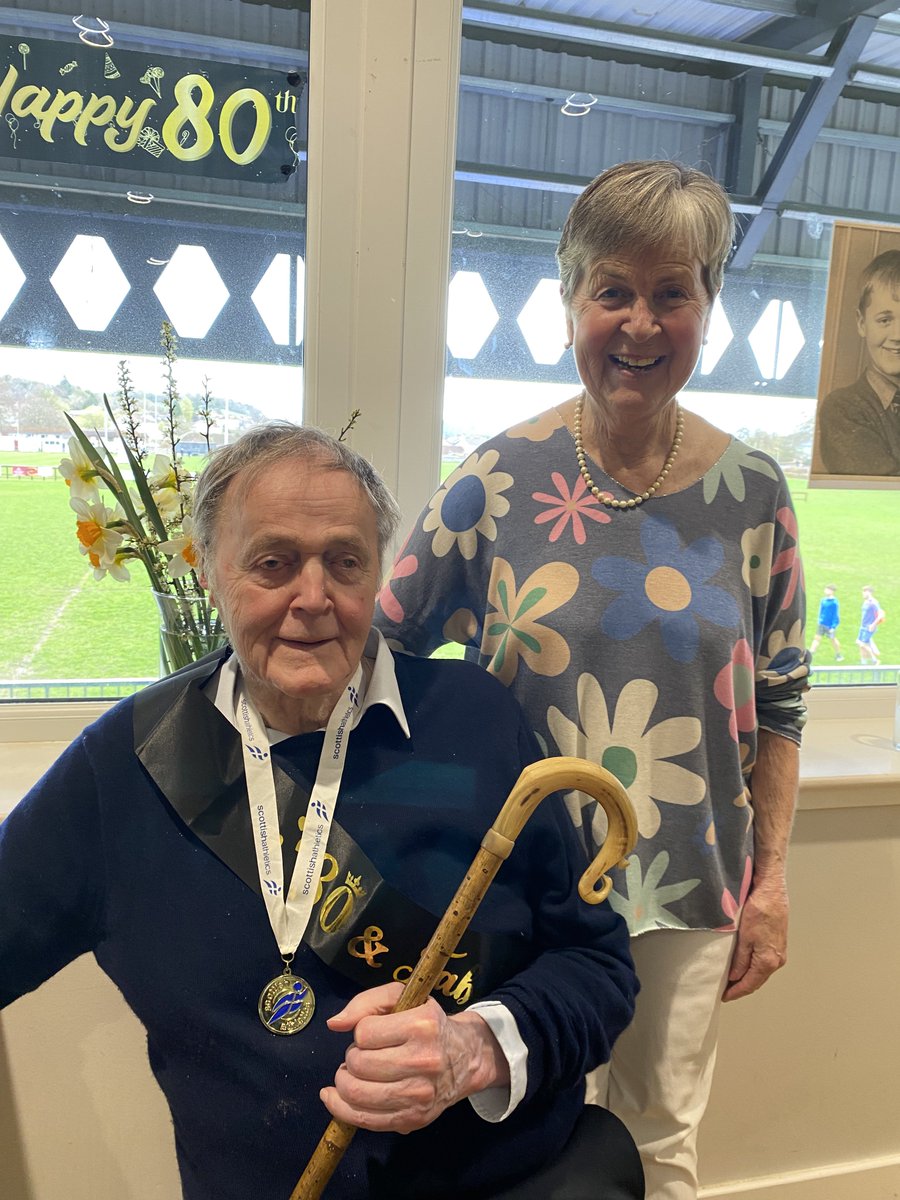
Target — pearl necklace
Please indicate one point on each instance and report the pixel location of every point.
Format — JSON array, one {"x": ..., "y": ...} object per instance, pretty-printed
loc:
[{"x": 605, "y": 498}]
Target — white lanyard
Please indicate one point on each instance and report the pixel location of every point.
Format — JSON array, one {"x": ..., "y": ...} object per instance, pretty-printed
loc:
[{"x": 288, "y": 915}]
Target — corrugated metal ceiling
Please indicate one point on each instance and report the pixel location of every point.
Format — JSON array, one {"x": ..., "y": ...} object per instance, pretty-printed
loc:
[{"x": 521, "y": 159}]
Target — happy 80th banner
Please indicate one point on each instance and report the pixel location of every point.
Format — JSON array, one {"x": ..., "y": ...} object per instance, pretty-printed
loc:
[{"x": 64, "y": 102}]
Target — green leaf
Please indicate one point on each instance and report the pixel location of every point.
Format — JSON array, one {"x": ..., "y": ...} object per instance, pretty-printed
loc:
[
  {"x": 91, "y": 451},
  {"x": 140, "y": 480},
  {"x": 115, "y": 481}
]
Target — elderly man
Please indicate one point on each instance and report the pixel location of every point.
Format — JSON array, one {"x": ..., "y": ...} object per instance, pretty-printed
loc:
[{"x": 250, "y": 845}]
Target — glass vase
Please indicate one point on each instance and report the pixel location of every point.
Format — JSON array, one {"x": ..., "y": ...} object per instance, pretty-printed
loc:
[{"x": 189, "y": 628}]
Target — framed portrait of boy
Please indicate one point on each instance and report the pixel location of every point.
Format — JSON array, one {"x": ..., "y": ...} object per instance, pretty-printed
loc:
[{"x": 857, "y": 435}]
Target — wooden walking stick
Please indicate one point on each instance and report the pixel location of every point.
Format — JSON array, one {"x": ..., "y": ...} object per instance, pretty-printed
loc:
[{"x": 535, "y": 782}]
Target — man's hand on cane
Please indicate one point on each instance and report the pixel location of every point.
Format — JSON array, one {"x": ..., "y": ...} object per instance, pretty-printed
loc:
[{"x": 403, "y": 1069}]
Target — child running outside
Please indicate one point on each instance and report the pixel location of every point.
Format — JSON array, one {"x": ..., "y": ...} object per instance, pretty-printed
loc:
[
  {"x": 872, "y": 616},
  {"x": 829, "y": 619}
]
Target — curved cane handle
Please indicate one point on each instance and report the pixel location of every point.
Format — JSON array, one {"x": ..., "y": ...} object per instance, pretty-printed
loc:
[
  {"x": 564, "y": 774},
  {"x": 534, "y": 783}
]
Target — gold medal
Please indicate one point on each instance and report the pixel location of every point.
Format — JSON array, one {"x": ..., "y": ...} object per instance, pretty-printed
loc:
[{"x": 286, "y": 1004}]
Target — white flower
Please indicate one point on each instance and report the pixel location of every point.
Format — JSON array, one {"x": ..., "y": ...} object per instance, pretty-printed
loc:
[
  {"x": 169, "y": 501},
  {"x": 94, "y": 529},
  {"x": 162, "y": 474},
  {"x": 181, "y": 547},
  {"x": 757, "y": 546},
  {"x": 116, "y": 568},
  {"x": 632, "y": 748},
  {"x": 80, "y": 473}
]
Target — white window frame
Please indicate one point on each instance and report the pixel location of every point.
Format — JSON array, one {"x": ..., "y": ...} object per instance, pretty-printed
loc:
[{"x": 383, "y": 87}]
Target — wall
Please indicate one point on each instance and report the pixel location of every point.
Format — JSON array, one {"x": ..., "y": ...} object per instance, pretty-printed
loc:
[{"x": 807, "y": 1091}]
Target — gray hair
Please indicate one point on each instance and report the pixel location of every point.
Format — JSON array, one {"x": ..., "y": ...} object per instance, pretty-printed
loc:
[
  {"x": 264, "y": 445},
  {"x": 639, "y": 206}
]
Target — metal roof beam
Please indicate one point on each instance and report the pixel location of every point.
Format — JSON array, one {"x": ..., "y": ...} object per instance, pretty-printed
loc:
[
  {"x": 806, "y": 33},
  {"x": 501, "y": 22},
  {"x": 784, "y": 8},
  {"x": 811, "y": 114},
  {"x": 509, "y": 89},
  {"x": 744, "y": 135},
  {"x": 603, "y": 35}
]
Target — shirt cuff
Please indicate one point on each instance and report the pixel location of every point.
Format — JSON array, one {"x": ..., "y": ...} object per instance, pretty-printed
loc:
[{"x": 496, "y": 1103}]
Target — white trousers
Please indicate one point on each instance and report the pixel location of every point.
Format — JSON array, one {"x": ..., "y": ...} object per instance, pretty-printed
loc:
[{"x": 660, "y": 1074}]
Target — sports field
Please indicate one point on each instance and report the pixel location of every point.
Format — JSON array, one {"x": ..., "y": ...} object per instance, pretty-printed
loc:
[{"x": 57, "y": 622}]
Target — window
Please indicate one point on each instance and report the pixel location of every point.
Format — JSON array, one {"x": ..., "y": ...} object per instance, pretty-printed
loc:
[
  {"x": 148, "y": 173},
  {"x": 545, "y": 103}
]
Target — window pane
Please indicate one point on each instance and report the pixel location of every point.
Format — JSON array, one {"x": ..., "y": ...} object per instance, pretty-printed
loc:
[
  {"x": 150, "y": 172},
  {"x": 536, "y": 123}
]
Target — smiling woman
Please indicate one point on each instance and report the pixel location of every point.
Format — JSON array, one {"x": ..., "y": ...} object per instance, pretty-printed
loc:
[{"x": 653, "y": 588}]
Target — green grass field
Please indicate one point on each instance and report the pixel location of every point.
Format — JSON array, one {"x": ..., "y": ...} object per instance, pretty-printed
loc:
[{"x": 57, "y": 622}]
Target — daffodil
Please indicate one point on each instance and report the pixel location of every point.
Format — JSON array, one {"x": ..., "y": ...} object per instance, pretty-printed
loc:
[
  {"x": 93, "y": 527},
  {"x": 181, "y": 548},
  {"x": 162, "y": 474},
  {"x": 80, "y": 473},
  {"x": 169, "y": 501},
  {"x": 116, "y": 567}
]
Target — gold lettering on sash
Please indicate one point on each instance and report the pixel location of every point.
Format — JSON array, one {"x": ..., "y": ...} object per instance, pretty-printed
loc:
[
  {"x": 402, "y": 974},
  {"x": 367, "y": 945},
  {"x": 448, "y": 984},
  {"x": 462, "y": 992},
  {"x": 346, "y": 894}
]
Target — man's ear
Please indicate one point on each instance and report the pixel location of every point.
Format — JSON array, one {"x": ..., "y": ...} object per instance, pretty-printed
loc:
[
  {"x": 861, "y": 323},
  {"x": 205, "y": 584}
]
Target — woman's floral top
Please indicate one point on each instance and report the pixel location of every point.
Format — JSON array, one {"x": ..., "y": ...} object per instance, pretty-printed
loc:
[{"x": 653, "y": 641}]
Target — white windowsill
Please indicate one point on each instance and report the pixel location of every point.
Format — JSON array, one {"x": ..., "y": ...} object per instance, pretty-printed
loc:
[{"x": 847, "y": 760}]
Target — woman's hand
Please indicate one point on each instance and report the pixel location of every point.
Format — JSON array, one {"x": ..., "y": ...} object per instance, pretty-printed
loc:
[
  {"x": 761, "y": 946},
  {"x": 404, "y": 1069}
]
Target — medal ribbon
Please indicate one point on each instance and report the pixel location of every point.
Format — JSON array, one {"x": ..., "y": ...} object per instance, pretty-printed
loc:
[{"x": 289, "y": 914}]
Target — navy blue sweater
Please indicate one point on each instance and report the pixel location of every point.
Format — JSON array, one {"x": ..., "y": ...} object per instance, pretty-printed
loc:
[{"x": 96, "y": 859}]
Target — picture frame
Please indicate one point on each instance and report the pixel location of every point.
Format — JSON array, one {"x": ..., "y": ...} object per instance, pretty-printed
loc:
[{"x": 857, "y": 434}]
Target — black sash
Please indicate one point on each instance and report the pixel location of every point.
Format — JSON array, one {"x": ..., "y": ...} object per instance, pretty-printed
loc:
[{"x": 360, "y": 925}]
